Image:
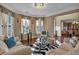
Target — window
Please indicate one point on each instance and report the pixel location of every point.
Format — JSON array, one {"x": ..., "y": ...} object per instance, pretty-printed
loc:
[
  {"x": 9, "y": 26},
  {"x": 6, "y": 25},
  {"x": 25, "y": 26},
  {"x": 39, "y": 25}
]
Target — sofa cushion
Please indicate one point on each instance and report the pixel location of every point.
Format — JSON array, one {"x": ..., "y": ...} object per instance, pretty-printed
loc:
[
  {"x": 10, "y": 42},
  {"x": 66, "y": 47},
  {"x": 18, "y": 43},
  {"x": 17, "y": 39},
  {"x": 75, "y": 51},
  {"x": 56, "y": 52},
  {"x": 1, "y": 51},
  {"x": 59, "y": 52},
  {"x": 3, "y": 47},
  {"x": 19, "y": 50},
  {"x": 2, "y": 37}
]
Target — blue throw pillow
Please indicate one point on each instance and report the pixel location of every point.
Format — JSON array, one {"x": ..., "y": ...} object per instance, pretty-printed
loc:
[{"x": 10, "y": 42}]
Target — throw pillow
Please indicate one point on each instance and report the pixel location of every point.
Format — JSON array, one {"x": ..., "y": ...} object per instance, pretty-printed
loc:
[{"x": 10, "y": 42}]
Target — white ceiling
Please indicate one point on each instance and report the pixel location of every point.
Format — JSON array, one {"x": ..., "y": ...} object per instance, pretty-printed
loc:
[{"x": 49, "y": 9}]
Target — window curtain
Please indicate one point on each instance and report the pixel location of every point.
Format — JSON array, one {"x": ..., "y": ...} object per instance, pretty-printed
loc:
[
  {"x": 25, "y": 26},
  {"x": 4, "y": 17},
  {"x": 6, "y": 22},
  {"x": 39, "y": 25},
  {"x": 9, "y": 26}
]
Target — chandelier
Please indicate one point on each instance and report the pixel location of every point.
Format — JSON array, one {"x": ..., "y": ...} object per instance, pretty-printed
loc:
[{"x": 39, "y": 5}]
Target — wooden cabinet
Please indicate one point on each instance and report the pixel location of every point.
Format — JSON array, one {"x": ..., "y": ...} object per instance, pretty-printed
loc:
[{"x": 71, "y": 28}]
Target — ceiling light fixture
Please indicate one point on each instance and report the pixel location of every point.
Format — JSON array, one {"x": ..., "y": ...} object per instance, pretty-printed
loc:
[{"x": 39, "y": 5}]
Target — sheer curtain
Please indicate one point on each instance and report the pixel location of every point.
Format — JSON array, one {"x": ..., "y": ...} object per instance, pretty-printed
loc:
[
  {"x": 25, "y": 26},
  {"x": 9, "y": 26},
  {"x": 39, "y": 25}
]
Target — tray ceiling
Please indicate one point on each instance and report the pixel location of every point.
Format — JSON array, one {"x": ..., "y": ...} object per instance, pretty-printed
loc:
[{"x": 49, "y": 9}]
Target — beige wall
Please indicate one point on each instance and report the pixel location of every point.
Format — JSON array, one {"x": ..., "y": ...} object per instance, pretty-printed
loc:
[
  {"x": 17, "y": 25},
  {"x": 49, "y": 25},
  {"x": 32, "y": 26}
]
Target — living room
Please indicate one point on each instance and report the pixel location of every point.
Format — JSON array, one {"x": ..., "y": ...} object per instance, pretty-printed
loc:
[{"x": 41, "y": 29}]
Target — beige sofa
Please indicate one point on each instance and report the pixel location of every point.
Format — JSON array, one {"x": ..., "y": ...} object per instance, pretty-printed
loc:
[
  {"x": 18, "y": 49},
  {"x": 64, "y": 49}
]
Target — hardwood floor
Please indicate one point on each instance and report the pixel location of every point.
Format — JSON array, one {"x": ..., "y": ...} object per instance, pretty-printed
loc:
[{"x": 29, "y": 41}]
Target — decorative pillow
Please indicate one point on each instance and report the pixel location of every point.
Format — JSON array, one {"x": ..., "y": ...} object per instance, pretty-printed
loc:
[
  {"x": 73, "y": 42},
  {"x": 77, "y": 46},
  {"x": 10, "y": 42},
  {"x": 3, "y": 47}
]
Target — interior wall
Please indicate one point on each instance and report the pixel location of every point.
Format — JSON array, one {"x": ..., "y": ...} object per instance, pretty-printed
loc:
[
  {"x": 17, "y": 25},
  {"x": 33, "y": 25},
  {"x": 49, "y": 25}
]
